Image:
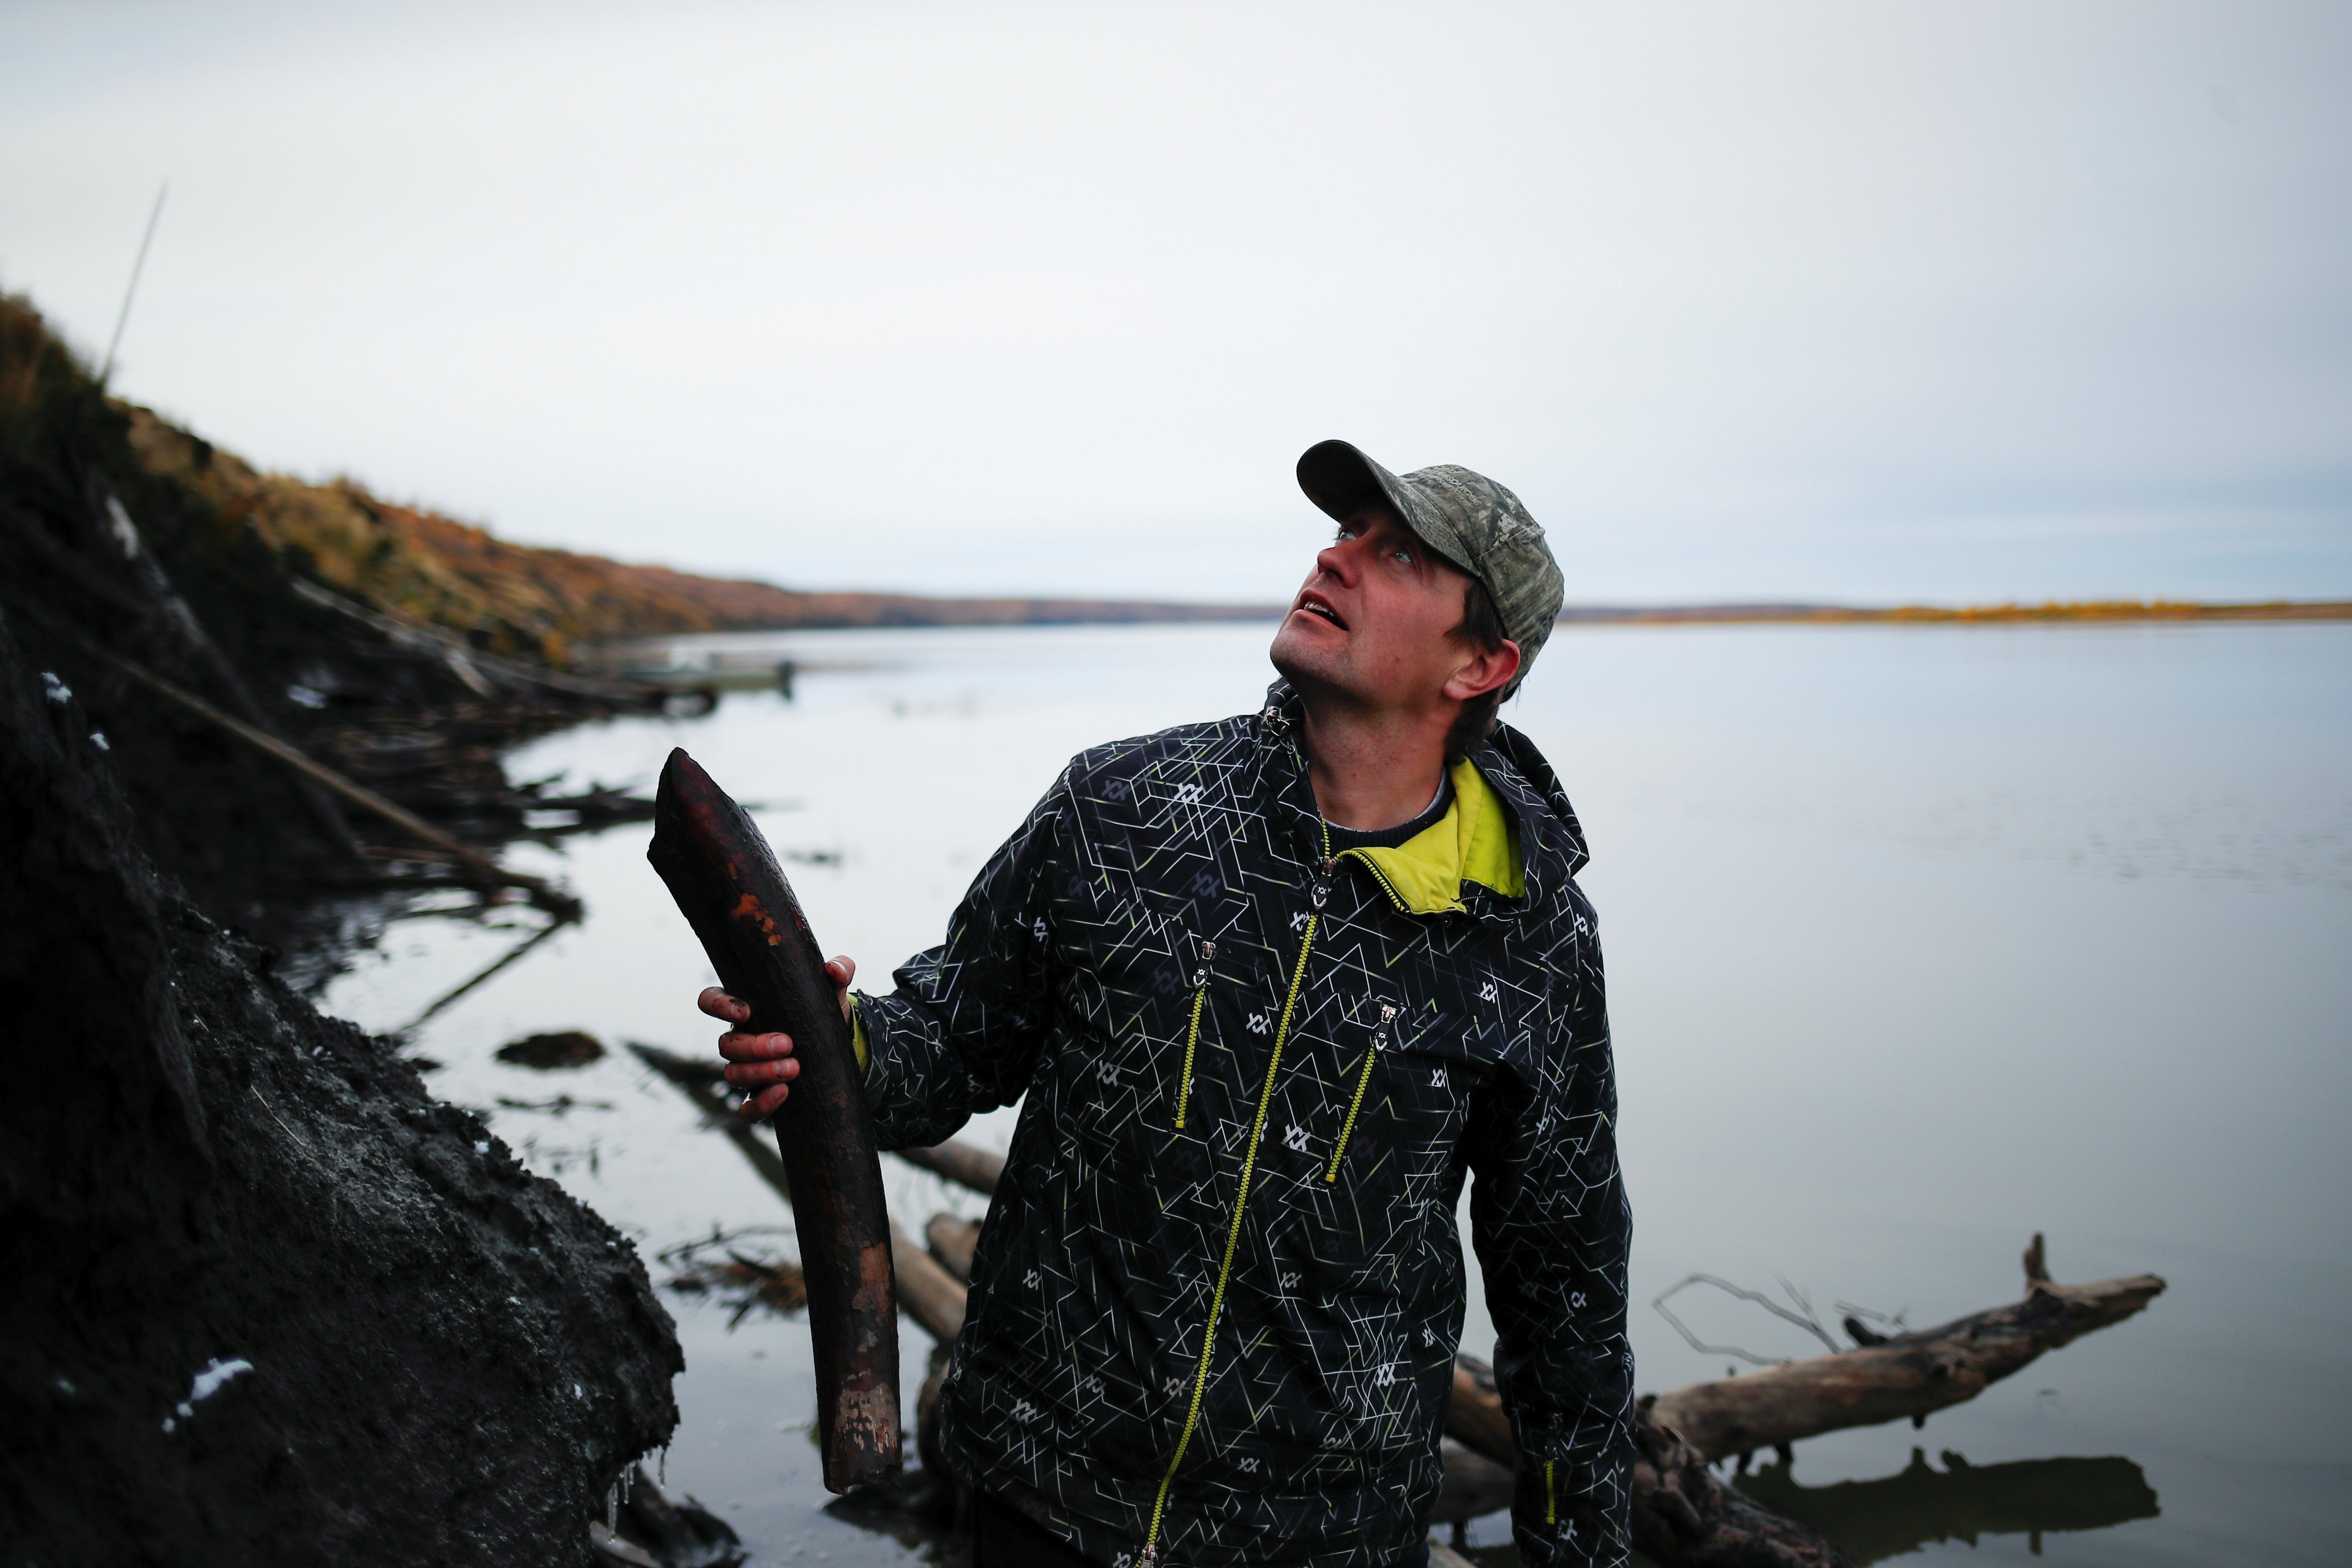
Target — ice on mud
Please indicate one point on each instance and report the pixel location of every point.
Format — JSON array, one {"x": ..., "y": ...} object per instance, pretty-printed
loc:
[{"x": 213, "y": 1378}]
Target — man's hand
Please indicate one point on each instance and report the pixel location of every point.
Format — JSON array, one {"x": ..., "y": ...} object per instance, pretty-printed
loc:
[{"x": 762, "y": 1066}]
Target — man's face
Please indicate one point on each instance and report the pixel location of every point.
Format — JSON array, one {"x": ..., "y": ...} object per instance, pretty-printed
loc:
[{"x": 1375, "y": 619}]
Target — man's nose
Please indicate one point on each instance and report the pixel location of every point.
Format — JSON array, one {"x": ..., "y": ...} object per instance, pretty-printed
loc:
[{"x": 1338, "y": 560}]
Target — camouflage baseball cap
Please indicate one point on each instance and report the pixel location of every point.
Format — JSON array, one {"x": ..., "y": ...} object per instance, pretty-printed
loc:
[{"x": 1467, "y": 517}]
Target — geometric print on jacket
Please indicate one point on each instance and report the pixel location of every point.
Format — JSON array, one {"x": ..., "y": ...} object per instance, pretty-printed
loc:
[{"x": 1212, "y": 1317}]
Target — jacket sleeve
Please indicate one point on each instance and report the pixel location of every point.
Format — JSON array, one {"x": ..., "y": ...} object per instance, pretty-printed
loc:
[
  {"x": 962, "y": 1032},
  {"x": 1552, "y": 1228}
]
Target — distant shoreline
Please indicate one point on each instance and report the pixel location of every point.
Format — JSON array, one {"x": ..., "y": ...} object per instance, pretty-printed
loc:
[
  {"x": 948, "y": 614},
  {"x": 2095, "y": 610}
]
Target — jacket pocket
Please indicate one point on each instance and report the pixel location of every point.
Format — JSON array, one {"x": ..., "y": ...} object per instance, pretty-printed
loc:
[
  {"x": 1363, "y": 1083},
  {"x": 1193, "y": 1029}
]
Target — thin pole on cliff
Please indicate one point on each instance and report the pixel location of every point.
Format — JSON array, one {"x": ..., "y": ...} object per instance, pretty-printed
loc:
[{"x": 123, "y": 319}]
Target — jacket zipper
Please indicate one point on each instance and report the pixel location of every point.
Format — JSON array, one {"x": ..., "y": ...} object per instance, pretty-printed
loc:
[
  {"x": 1551, "y": 1498},
  {"x": 1363, "y": 1082},
  {"x": 1192, "y": 1035},
  {"x": 1319, "y": 895},
  {"x": 1368, "y": 864}
]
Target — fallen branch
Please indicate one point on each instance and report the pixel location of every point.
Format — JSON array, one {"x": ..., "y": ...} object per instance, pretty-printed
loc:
[
  {"x": 1685, "y": 1515},
  {"x": 544, "y": 893},
  {"x": 1474, "y": 1414},
  {"x": 952, "y": 1241},
  {"x": 481, "y": 977},
  {"x": 931, "y": 1296},
  {"x": 700, "y": 1082},
  {"x": 1807, "y": 1320},
  {"x": 197, "y": 643},
  {"x": 927, "y": 1292},
  {"x": 660, "y": 1532},
  {"x": 1889, "y": 1378},
  {"x": 965, "y": 1165},
  {"x": 470, "y": 665}
]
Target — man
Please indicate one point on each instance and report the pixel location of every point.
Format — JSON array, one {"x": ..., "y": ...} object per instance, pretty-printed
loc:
[{"x": 1273, "y": 987}]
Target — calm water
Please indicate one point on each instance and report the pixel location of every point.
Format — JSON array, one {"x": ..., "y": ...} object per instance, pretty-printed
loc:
[{"x": 1920, "y": 940}]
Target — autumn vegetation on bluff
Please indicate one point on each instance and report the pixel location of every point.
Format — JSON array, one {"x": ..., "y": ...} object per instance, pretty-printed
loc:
[
  {"x": 523, "y": 600},
  {"x": 420, "y": 565}
]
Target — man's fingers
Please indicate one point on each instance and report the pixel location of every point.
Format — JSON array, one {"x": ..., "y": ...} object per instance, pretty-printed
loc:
[
  {"x": 755, "y": 1075},
  {"x": 741, "y": 1047},
  {"x": 719, "y": 1004},
  {"x": 763, "y": 1104},
  {"x": 842, "y": 969},
  {"x": 762, "y": 1064}
]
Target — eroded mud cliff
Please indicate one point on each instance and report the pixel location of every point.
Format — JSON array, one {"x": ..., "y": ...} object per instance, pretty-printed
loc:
[{"x": 266, "y": 1300}]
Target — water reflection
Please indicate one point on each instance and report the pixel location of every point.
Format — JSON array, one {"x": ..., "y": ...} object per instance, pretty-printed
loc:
[
  {"x": 1921, "y": 1505},
  {"x": 926, "y": 1540}
]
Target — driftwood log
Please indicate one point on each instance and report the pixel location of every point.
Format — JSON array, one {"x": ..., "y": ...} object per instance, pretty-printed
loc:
[
  {"x": 953, "y": 1242},
  {"x": 1890, "y": 1378},
  {"x": 728, "y": 885},
  {"x": 963, "y": 1163},
  {"x": 931, "y": 1294},
  {"x": 1684, "y": 1514}
]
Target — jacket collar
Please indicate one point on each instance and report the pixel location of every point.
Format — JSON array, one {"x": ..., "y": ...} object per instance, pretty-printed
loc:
[
  {"x": 1543, "y": 827},
  {"x": 1473, "y": 849}
]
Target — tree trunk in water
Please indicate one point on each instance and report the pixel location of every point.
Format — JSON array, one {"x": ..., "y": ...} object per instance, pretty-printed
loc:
[
  {"x": 1887, "y": 1378},
  {"x": 1685, "y": 1516},
  {"x": 952, "y": 1242},
  {"x": 959, "y": 1163},
  {"x": 932, "y": 1297},
  {"x": 730, "y": 890}
]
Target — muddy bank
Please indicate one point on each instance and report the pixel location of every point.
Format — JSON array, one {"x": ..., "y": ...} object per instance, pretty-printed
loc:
[{"x": 268, "y": 1299}]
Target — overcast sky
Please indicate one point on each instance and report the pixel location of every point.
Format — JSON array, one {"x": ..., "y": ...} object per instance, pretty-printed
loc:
[{"x": 1863, "y": 302}]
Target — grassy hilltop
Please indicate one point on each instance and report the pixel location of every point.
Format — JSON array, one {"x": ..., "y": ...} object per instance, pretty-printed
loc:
[{"x": 516, "y": 598}]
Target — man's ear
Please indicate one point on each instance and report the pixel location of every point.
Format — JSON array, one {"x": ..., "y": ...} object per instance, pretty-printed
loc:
[{"x": 1483, "y": 671}]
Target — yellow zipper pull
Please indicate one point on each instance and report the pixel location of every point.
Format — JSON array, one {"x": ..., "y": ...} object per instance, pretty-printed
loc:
[
  {"x": 1192, "y": 1035},
  {"x": 1363, "y": 1082}
]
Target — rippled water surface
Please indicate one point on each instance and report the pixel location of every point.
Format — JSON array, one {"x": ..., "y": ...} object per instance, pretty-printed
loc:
[{"x": 1920, "y": 940}]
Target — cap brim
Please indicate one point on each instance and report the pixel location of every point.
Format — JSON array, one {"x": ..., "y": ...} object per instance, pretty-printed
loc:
[{"x": 1343, "y": 481}]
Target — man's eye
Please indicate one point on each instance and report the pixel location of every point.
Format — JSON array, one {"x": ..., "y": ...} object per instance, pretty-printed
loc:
[{"x": 1403, "y": 555}]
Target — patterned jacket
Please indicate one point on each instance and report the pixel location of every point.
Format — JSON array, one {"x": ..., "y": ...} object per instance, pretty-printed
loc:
[{"x": 1216, "y": 1300}]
